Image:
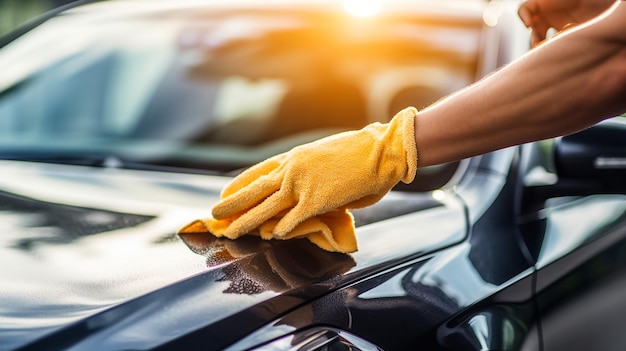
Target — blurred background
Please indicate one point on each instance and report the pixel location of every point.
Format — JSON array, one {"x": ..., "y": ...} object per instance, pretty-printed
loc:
[{"x": 16, "y": 12}]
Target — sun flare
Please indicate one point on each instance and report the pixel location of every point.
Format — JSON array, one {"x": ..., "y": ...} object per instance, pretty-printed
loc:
[{"x": 362, "y": 8}]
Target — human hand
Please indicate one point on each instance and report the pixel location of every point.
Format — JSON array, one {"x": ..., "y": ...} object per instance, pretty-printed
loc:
[
  {"x": 541, "y": 15},
  {"x": 346, "y": 170}
]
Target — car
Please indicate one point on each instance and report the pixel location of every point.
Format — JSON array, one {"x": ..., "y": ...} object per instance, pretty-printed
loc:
[{"x": 122, "y": 120}]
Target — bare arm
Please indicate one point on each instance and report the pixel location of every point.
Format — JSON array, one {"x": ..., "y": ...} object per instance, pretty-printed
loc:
[{"x": 563, "y": 86}]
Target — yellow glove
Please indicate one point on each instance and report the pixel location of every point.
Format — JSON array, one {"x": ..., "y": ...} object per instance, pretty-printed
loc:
[
  {"x": 346, "y": 170},
  {"x": 332, "y": 231}
]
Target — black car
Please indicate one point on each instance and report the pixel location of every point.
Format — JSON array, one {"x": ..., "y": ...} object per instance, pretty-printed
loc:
[{"x": 121, "y": 121}]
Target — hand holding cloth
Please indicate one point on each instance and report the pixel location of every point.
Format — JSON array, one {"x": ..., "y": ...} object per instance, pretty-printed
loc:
[{"x": 307, "y": 191}]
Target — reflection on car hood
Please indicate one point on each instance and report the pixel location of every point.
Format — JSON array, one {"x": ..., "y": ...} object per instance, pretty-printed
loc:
[
  {"x": 97, "y": 248},
  {"x": 74, "y": 243}
]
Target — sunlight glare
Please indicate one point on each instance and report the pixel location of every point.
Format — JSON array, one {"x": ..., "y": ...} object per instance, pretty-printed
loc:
[
  {"x": 438, "y": 194},
  {"x": 362, "y": 8}
]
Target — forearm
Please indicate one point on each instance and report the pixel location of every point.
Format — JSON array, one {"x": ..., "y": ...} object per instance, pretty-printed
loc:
[{"x": 565, "y": 85}]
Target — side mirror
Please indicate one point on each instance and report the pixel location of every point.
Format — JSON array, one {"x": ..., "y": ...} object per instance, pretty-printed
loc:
[
  {"x": 597, "y": 154},
  {"x": 592, "y": 161}
]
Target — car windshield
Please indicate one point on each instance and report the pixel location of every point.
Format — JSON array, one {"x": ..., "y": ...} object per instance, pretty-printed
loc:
[{"x": 218, "y": 90}]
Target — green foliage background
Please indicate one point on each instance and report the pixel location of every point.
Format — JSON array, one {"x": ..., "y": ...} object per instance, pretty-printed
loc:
[{"x": 14, "y": 13}]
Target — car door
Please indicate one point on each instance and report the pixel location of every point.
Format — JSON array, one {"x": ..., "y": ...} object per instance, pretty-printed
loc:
[{"x": 574, "y": 223}]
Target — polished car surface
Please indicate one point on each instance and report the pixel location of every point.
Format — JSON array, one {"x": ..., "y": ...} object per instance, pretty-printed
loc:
[{"x": 121, "y": 121}]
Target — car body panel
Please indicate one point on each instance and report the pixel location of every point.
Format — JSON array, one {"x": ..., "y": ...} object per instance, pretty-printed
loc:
[
  {"x": 573, "y": 226},
  {"x": 88, "y": 249},
  {"x": 579, "y": 245},
  {"x": 394, "y": 252},
  {"x": 409, "y": 302}
]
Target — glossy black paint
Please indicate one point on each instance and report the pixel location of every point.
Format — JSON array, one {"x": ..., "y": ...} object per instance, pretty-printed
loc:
[
  {"x": 577, "y": 240},
  {"x": 585, "y": 309},
  {"x": 402, "y": 308},
  {"x": 450, "y": 289},
  {"x": 581, "y": 272},
  {"x": 496, "y": 327},
  {"x": 249, "y": 283},
  {"x": 223, "y": 282}
]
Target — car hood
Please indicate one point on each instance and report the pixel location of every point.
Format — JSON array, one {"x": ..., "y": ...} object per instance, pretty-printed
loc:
[{"x": 88, "y": 253}]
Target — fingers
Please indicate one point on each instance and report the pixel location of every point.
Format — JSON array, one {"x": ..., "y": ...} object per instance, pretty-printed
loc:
[
  {"x": 251, "y": 174},
  {"x": 250, "y": 196},
  {"x": 258, "y": 215},
  {"x": 538, "y": 34},
  {"x": 541, "y": 16},
  {"x": 526, "y": 13},
  {"x": 530, "y": 15}
]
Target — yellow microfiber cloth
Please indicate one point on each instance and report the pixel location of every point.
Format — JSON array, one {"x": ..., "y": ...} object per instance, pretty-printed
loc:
[
  {"x": 332, "y": 231},
  {"x": 307, "y": 191}
]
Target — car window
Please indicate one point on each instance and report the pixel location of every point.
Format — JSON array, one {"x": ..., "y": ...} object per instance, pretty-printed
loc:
[{"x": 220, "y": 92}]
